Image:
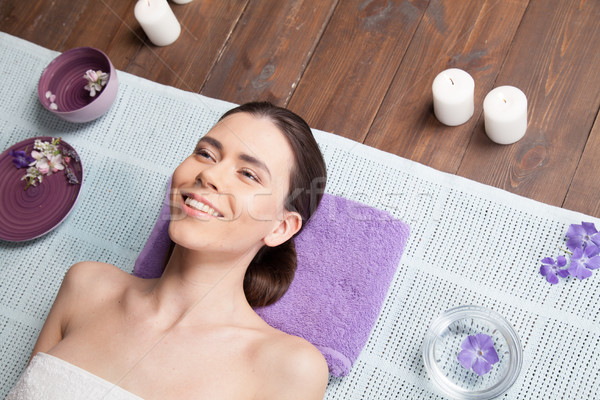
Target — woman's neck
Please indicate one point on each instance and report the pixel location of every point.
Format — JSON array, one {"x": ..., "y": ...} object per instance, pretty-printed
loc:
[{"x": 200, "y": 289}]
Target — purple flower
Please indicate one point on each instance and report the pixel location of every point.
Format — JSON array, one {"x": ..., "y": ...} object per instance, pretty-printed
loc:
[
  {"x": 20, "y": 159},
  {"x": 552, "y": 270},
  {"x": 583, "y": 261},
  {"x": 579, "y": 236},
  {"x": 478, "y": 353}
]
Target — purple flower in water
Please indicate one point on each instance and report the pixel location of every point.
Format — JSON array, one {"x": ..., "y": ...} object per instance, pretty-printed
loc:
[
  {"x": 579, "y": 236},
  {"x": 552, "y": 270},
  {"x": 583, "y": 261},
  {"x": 478, "y": 353},
  {"x": 20, "y": 159}
]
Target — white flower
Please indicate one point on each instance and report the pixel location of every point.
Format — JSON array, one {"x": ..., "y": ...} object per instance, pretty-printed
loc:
[
  {"x": 42, "y": 166},
  {"x": 96, "y": 80},
  {"x": 55, "y": 162},
  {"x": 36, "y": 154},
  {"x": 52, "y": 99},
  {"x": 91, "y": 75},
  {"x": 33, "y": 175},
  {"x": 47, "y": 159},
  {"x": 103, "y": 77}
]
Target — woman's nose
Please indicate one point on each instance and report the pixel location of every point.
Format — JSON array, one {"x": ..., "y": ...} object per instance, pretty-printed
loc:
[{"x": 208, "y": 178}]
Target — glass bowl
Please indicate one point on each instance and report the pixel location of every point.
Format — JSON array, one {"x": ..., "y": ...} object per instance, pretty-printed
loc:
[
  {"x": 64, "y": 77},
  {"x": 443, "y": 343}
]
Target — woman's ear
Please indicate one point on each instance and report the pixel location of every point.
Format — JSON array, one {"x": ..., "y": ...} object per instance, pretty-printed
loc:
[{"x": 287, "y": 227}]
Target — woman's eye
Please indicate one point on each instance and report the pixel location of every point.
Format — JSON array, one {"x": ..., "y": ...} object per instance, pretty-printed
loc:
[
  {"x": 204, "y": 153},
  {"x": 249, "y": 174}
]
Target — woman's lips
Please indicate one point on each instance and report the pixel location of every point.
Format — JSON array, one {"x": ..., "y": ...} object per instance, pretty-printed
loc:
[{"x": 198, "y": 206}]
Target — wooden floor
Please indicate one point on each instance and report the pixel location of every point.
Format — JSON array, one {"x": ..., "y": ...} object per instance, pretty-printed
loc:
[{"x": 363, "y": 69}]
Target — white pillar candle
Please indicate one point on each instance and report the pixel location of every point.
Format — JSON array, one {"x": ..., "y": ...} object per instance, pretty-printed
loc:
[
  {"x": 158, "y": 21},
  {"x": 182, "y": 1},
  {"x": 453, "y": 91},
  {"x": 505, "y": 114}
]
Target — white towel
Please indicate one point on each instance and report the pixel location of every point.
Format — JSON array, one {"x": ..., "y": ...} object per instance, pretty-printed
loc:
[{"x": 48, "y": 377}]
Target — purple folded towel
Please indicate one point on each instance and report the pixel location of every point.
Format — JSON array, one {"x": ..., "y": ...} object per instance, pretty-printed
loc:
[{"x": 347, "y": 256}]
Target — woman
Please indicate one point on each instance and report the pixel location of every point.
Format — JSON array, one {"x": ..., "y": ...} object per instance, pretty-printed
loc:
[{"x": 236, "y": 204}]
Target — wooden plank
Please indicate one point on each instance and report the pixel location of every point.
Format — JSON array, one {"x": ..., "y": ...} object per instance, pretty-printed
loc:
[
  {"x": 471, "y": 35},
  {"x": 206, "y": 25},
  {"x": 559, "y": 74},
  {"x": 34, "y": 20},
  {"x": 206, "y": 28},
  {"x": 584, "y": 192},
  {"x": 354, "y": 63},
  {"x": 269, "y": 50},
  {"x": 101, "y": 25}
]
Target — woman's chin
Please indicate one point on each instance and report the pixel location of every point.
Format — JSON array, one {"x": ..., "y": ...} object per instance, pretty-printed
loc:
[{"x": 194, "y": 233}]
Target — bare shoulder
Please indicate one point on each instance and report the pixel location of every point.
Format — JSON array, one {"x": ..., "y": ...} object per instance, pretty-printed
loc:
[
  {"x": 299, "y": 370},
  {"x": 85, "y": 287},
  {"x": 90, "y": 277},
  {"x": 91, "y": 285}
]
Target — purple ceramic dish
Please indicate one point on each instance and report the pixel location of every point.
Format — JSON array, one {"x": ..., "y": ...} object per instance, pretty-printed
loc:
[
  {"x": 28, "y": 214},
  {"x": 64, "y": 77}
]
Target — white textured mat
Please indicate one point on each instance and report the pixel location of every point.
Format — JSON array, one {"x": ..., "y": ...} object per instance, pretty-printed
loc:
[{"x": 469, "y": 244}]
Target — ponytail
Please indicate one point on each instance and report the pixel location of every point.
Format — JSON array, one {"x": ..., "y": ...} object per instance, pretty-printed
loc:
[{"x": 270, "y": 274}]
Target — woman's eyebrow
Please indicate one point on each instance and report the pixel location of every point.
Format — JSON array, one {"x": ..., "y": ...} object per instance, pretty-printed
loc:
[
  {"x": 212, "y": 141},
  {"x": 256, "y": 162}
]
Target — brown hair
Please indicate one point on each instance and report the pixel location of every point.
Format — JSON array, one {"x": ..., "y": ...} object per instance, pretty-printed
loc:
[{"x": 270, "y": 273}]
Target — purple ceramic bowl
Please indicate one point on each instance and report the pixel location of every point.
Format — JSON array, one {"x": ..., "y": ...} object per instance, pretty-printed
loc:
[{"x": 64, "y": 77}]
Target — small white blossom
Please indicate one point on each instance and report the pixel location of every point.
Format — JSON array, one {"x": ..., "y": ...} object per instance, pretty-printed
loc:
[
  {"x": 47, "y": 159},
  {"x": 96, "y": 80},
  {"x": 52, "y": 99}
]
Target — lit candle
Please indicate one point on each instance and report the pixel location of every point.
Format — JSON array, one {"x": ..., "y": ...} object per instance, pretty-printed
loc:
[
  {"x": 158, "y": 21},
  {"x": 505, "y": 114},
  {"x": 453, "y": 96}
]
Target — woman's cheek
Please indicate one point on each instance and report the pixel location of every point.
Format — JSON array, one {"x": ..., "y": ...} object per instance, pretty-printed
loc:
[{"x": 262, "y": 207}]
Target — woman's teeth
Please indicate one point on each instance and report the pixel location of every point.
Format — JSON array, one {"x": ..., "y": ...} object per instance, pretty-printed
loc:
[{"x": 198, "y": 205}]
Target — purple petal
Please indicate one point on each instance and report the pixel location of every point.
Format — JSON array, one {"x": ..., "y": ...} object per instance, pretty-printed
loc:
[
  {"x": 575, "y": 231},
  {"x": 490, "y": 355},
  {"x": 574, "y": 243},
  {"x": 561, "y": 261},
  {"x": 579, "y": 271},
  {"x": 485, "y": 341},
  {"x": 563, "y": 273},
  {"x": 481, "y": 367},
  {"x": 548, "y": 261},
  {"x": 577, "y": 254},
  {"x": 575, "y": 235},
  {"x": 470, "y": 343},
  {"x": 593, "y": 263},
  {"x": 466, "y": 358},
  {"x": 20, "y": 159},
  {"x": 596, "y": 239},
  {"x": 589, "y": 228},
  {"x": 591, "y": 251},
  {"x": 544, "y": 269},
  {"x": 552, "y": 278}
]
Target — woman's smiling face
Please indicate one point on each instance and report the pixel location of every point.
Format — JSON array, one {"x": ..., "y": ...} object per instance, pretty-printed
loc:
[{"x": 229, "y": 195}]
